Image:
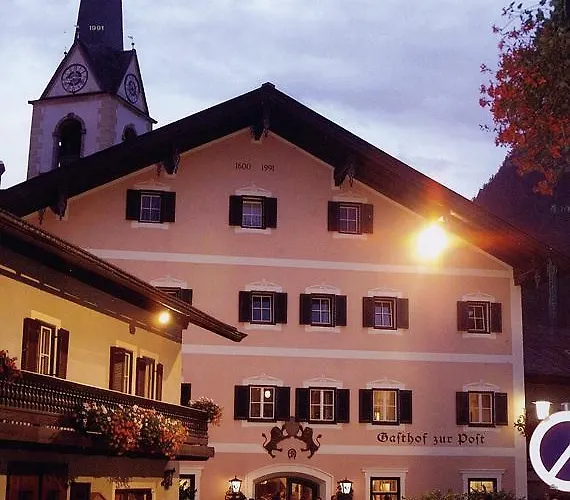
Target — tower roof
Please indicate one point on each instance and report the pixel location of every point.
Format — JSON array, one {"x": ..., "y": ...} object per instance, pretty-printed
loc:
[{"x": 100, "y": 24}]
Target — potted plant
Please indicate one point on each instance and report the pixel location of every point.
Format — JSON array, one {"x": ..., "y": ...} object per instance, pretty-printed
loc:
[
  {"x": 8, "y": 369},
  {"x": 212, "y": 409}
]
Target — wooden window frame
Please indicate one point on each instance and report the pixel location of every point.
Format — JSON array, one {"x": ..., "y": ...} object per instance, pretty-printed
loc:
[
  {"x": 403, "y": 410},
  {"x": 31, "y": 348},
  {"x": 278, "y": 307},
  {"x": 380, "y": 495},
  {"x": 392, "y": 304},
  {"x": 499, "y": 411},
  {"x": 321, "y": 405},
  {"x": 479, "y": 408},
  {"x": 150, "y": 214},
  {"x": 262, "y": 404},
  {"x": 267, "y": 216},
  {"x": 134, "y": 205},
  {"x": 281, "y": 409},
  {"x": 488, "y": 312},
  {"x": 320, "y": 299},
  {"x": 492, "y": 480},
  {"x": 261, "y": 296},
  {"x": 364, "y": 221},
  {"x": 349, "y": 214}
]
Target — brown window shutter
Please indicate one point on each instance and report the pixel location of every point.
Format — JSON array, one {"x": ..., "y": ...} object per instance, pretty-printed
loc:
[
  {"x": 496, "y": 317},
  {"x": 241, "y": 402},
  {"x": 501, "y": 409},
  {"x": 133, "y": 208},
  {"x": 280, "y": 307},
  {"x": 270, "y": 212},
  {"x": 402, "y": 314},
  {"x": 462, "y": 316},
  {"x": 367, "y": 218},
  {"x": 186, "y": 295},
  {"x": 340, "y": 310},
  {"x": 158, "y": 381},
  {"x": 302, "y": 404},
  {"x": 365, "y": 406},
  {"x": 236, "y": 210},
  {"x": 462, "y": 408},
  {"x": 342, "y": 406},
  {"x": 167, "y": 206},
  {"x": 116, "y": 368},
  {"x": 185, "y": 393},
  {"x": 305, "y": 308},
  {"x": 332, "y": 220},
  {"x": 62, "y": 349},
  {"x": 244, "y": 306},
  {"x": 282, "y": 403},
  {"x": 30, "y": 347},
  {"x": 140, "y": 376},
  {"x": 405, "y": 407},
  {"x": 368, "y": 312}
]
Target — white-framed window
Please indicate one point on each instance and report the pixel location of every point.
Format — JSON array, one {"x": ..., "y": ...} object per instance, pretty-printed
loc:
[
  {"x": 47, "y": 354},
  {"x": 478, "y": 317},
  {"x": 262, "y": 308},
  {"x": 481, "y": 408},
  {"x": 252, "y": 213},
  {"x": 150, "y": 207},
  {"x": 482, "y": 485},
  {"x": 261, "y": 402},
  {"x": 385, "y": 488},
  {"x": 482, "y": 480},
  {"x": 149, "y": 379},
  {"x": 349, "y": 218},
  {"x": 321, "y": 310},
  {"x": 385, "y": 405},
  {"x": 384, "y": 313},
  {"x": 321, "y": 405}
]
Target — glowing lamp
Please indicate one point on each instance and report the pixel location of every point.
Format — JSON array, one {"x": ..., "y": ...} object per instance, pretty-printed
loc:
[
  {"x": 542, "y": 409},
  {"x": 164, "y": 317},
  {"x": 235, "y": 485},
  {"x": 431, "y": 241},
  {"x": 345, "y": 486}
]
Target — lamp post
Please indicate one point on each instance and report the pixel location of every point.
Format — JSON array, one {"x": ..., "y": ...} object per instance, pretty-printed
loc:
[
  {"x": 234, "y": 491},
  {"x": 344, "y": 490},
  {"x": 542, "y": 409}
]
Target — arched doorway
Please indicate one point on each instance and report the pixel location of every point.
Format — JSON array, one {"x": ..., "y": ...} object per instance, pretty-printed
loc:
[{"x": 286, "y": 488}]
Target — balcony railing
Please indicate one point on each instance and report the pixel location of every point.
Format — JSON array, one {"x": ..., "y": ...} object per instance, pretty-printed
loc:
[{"x": 35, "y": 400}]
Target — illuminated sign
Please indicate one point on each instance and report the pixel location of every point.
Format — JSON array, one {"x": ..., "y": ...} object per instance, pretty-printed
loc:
[{"x": 550, "y": 450}]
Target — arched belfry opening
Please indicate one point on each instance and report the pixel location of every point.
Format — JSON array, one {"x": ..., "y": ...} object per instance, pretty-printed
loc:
[
  {"x": 69, "y": 136},
  {"x": 129, "y": 133}
]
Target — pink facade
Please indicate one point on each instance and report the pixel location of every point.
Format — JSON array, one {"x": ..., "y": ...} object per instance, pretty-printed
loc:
[{"x": 383, "y": 395}]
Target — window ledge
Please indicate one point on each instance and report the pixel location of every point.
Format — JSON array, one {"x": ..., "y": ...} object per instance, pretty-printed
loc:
[
  {"x": 476, "y": 428},
  {"x": 262, "y": 326},
  {"x": 261, "y": 423},
  {"x": 468, "y": 335},
  {"x": 381, "y": 331},
  {"x": 319, "y": 425},
  {"x": 331, "y": 329},
  {"x": 385, "y": 428},
  {"x": 251, "y": 230},
  {"x": 349, "y": 236},
  {"x": 150, "y": 225}
]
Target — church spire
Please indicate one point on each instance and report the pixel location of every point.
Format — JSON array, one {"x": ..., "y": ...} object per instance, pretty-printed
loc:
[{"x": 100, "y": 24}]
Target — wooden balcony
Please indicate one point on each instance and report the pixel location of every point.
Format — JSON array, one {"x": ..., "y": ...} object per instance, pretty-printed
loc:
[{"x": 36, "y": 411}]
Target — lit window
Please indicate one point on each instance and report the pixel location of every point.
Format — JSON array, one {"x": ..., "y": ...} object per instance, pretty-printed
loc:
[
  {"x": 385, "y": 408},
  {"x": 47, "y": 354},
  {"x": 477, "y": 485},
  {"x": 261, "y": 402},
  {"x": 481, "y": 408},
  {"x": 321, "y": 311},
  {"x": 384, "y": 488},
  {"x": 150, "y": 208},
  {"x": 321, "y": 405}
]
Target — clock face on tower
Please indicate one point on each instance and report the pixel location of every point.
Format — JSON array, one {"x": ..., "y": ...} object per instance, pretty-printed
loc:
[
  {"x": 132, "y": 88},
  {"x": 74, "y": 78}
]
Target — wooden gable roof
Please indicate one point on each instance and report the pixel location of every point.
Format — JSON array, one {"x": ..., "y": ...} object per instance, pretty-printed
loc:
[
  {"x": 69, "y": 260},
  {"x": 267, "y": 110}
]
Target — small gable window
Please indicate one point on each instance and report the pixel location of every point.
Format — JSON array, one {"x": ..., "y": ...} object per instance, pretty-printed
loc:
[
  {"x": 253, "y": 212},
  {"x": 322, "y": 309},
  {"x": 150, "y": 206},
  {"x": 350, "y": 218},
  {"x": 479, "y": 317}
]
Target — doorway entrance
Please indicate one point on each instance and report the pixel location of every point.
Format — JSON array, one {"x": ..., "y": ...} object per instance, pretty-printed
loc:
[{"x": 286, "y": 488}]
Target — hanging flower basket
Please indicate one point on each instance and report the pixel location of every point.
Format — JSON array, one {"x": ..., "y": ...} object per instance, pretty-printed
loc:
[{"x": 213, "y": 410}]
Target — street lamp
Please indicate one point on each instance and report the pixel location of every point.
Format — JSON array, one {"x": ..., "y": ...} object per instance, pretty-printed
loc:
[
  {"x": 344, "y": 490},
  {"x": 234, "y": 492},
  {"x": 542, "y": 409}
]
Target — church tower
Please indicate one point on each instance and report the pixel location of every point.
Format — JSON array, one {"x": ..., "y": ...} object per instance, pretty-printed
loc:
[{"x": 95, "y": 98}]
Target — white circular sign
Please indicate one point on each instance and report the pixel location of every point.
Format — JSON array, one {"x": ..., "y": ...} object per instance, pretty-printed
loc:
[{"x": 549, "y": 450}]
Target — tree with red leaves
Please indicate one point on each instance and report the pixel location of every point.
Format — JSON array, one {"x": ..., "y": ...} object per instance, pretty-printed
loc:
[{"x": 529, "y": 94}]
